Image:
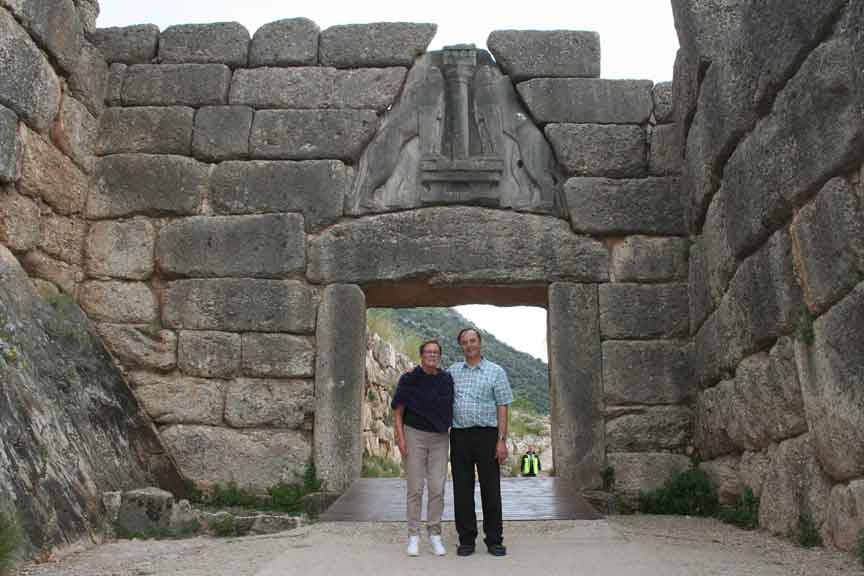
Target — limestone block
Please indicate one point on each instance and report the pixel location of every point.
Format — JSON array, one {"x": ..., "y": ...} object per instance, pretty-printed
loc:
[
  {"x": 9, "y": 147},
  {"x": 20, "y": 227},
  {"x": 587, "y": 100},
  {"x": 616, "y": 207},
  {"x": 846, "y": 514},
  {"x": 175, "y": 399},
  {"x": 88, "y": 11},
  {"x": 121, "y": 249},
  {"x": 140, "y": 346},
  {"x": 685, "y": 91},
  {"x": 524, "y": 54},
  {"x": 222, "y": 132},
  {"x": 48, "y": 174},
  {"x": 642, "y": 429},
  {"x": 646, "y": 259},
  {"x": 339, "y": 380},
  {"x": 702, "y": 177},
  {"x": 665, "y": 154},
  {"x": 720, "y": 263},
  {"x": 753, "y": 467},
  {"x": 63, "y": 238},
  {"x": 122, "y": 302},
  {"x": 265, "y": 246},
  {"x": 831, "y": 370},
  {"x": 640, "y": 312},
  {"x": 378, "y": 44},
  {"x": 209, "y": 354},
  {"x": 128, "y": 44},
  {"x": 829, "y": 236},
  {"x": 145, "y": 511},
  {"x": 260, "y": 403},
  {"x": 28, "y": 84},
  {"x": 129, "y": 184},
  {"x": 314, "y": 187},
  {"x": 513, "y": 248},
  {"x": 288, "y": 42},
  {"x": 278, "y": 355},
  {"x": 255, "y": 459},
  {"x": 310, "y": 134},
  {"x": 645, "y": 471},
  {"x": 794, "y": 485},
  {"x": 114, "y": 91},
  {"x": 712, "y": 415},
  {"x": 176, "y": 85},
  {"x": 157, "y": 130},
  {"x": 75, "y": 133},
  {"x": 55, "y": 26},
  {"x": 241, "y": 305},
  {"x": 220, "y": 42},
  {"x": 647, "y": 373},
  {"x": 664, "y": 102},
  {"x": 600, "y": 150},
  {"x": 723, "y": 472},
  {"x": 317, "y": 87},
  {"x": 64, "y": 276},
  {"x": 701, "y": 303}
]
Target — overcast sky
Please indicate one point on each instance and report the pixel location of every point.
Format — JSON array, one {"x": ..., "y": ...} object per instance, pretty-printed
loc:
[{"x": 637, "y": 39}]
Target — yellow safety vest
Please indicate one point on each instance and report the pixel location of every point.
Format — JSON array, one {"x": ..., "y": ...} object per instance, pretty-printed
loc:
[{"x": 529, "y": 464}]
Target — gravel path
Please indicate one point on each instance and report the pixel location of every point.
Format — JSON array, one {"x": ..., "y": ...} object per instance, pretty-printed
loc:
[{"x": 617, "y": 545}]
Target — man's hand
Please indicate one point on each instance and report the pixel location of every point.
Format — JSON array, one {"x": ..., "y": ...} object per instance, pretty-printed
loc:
[
  {"x": 501, "y": 452},
  {"x": 403, "y": 448}
]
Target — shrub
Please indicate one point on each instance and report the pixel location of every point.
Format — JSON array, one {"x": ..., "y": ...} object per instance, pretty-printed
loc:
[
  {"x": 608, "y": 475},
  {"x": 744, "y": 513},
  {"x": 808, "y": 535},
  {"x": 225, "y": 527},
  {"x": 11, "y": 538},
  {"x": 378, "y": 467},
  {"x": 687, "y": 493}
]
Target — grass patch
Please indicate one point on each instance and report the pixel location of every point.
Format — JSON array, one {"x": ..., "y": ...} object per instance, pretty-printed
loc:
[
  {"x": 744, "y": 513},
  {"x": 688, "y": 493},
  {"x": 524, "y": 419},
  {"x": 378, "y": 467},
  {"x": 804, "y": 327},
  {"x": 808, "y": 535},
  {"x": 225, "y": 527},
  {"x": 381, "y": 322},
  {"x": 11, "y": 539}
]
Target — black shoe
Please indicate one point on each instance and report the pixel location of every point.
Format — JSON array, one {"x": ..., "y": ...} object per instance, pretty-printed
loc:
[
  {"x": 497, "y": 549},
  {"x": 465, "y": 550}
]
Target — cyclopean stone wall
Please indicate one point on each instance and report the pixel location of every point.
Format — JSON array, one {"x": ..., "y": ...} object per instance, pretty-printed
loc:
[{"x": 769, "y": 97}]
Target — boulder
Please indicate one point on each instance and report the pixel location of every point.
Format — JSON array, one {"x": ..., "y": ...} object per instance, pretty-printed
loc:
[
  {"x": 220, "y": 42},
  {"x": 268, "y": 403},
  {"x": 524, "y": 54},
  {"x": 288, "y": 42},
  {"x": 378, "y": 44},
  {"x": 209, "y": 354},
  {"x": 128, "y": 44}
]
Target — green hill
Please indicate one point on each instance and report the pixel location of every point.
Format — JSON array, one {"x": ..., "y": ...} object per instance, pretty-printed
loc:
[{"x": 407, "y": 327}]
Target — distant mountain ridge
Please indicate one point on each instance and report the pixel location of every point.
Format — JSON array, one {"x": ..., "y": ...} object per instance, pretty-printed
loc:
[{"x": 529, "y": 376}]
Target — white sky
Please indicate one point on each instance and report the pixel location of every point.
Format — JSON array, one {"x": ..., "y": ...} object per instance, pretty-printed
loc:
[{"x": 637, "y": 40}]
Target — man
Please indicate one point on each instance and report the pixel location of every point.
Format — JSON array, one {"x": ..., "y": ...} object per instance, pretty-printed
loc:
[
  {"x": 530, "y": 464},
  {"x": 478, "y": 439}
]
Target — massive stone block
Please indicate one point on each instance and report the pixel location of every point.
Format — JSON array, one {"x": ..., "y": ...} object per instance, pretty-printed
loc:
[
  {"x": 222, "y": 132},
  {"x": 55, "y": 26},
  {"x": 20, "y": 228},
  {"x": 524, "y": 54},
  {"x": 831, "y": 371},
  {"x": 278, "y": 355},
  {"x": 317, "y": 87},
  {"x": 846, "y": 514},
  {"x": 379, "y": 44},
  {"x": 176, "y": 85},
  {"x": 48, "y": 174},
  {"x": 88, "y": 82},
  {"x": 128, "y": 184},
  {"x": 600, "y": 150},
  {"x": 128, "y": 44},
  {"x": 255, "y": 459},
  {"x": 75, "y": 133},
  {"x": 209, "y": 354},
  {"x": 317, "y": 188},
  {"x": 647, "y": 373},
  {"x": 241, "y": 305},
  {"x": 642, "y": 429},
  {"x": 63, "y": 237},
  {"x": 701, "y": 303},
  {"x": 28, "y": 84},
  {"x": 339, "y": 380},
  {"x": 482, "y": 246},
  {"x": 664, "y": 102},
  {"x": 288, "y": 42},
  {"x": 617, "y": 207},
  {"x": 221, "y": 42},
  {"x": 174, "y": 399},
  {"x": 309, "y": 134},
  {"x": 120, "y": 302},
  {"x": 9, "y": 147},
  {"x": 640, "y": 312},
  {"x": 258, "y": 403},
  {"x": 587, "y": 100},
  {"x": 64, "y": 276},
  {"x": 645, "y": 259},
  {"x": 266, "y": 246},
  {"x": 723, "y": 472},
  {"x": 829, "y": 236},
  {"x": 712, "y": 415},
  {"x": 643, "y": 471},
  {"x": 664, "y": 156},
  {"x": 121, "y": 249},
  {"x": 140, "y": 346},
  {"x": 156, "y": 130},
  {"x": 114, "y": 89}
]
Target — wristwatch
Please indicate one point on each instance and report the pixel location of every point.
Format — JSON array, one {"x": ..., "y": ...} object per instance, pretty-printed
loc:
[{"x": 501, "y": 438}]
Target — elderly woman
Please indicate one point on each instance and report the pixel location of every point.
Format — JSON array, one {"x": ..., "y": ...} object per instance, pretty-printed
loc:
[{"x": 423, "y": 413}]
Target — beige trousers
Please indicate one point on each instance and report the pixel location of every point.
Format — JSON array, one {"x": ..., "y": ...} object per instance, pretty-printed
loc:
[{"x": 426, "y": 462}]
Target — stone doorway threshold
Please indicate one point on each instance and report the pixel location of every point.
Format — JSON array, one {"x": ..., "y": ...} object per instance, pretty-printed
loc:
[{"x": 383, "y": 500}]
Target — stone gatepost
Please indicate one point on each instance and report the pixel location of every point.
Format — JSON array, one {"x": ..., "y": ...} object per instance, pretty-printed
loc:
[
  {"x": 576, "y": 383},
  {"x": 339, "y": 379}
]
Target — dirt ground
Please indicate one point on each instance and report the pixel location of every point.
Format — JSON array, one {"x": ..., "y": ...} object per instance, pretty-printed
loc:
[{"x": 616, "y": 545}]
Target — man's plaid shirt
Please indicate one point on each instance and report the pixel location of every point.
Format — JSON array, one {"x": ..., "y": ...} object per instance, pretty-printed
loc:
[{"x": 479, "y": 391}]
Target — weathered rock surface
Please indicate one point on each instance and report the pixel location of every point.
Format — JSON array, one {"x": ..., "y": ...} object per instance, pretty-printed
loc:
[
  {"x": 9, "y": 147},
  {"x": 128, "y": 44},
  {"x": 20, "y": 228},
  {"x": 176, "y": 85},
  {"x": 846, "y": 514},
  {"x": 222, "y": 132},
  {"x": 121, "y": 302},
  {"x": 209, "y": 354},
  {"x": 75, "y": 133},
  {"x": 664, "y": 155},
  {"x": 635, "y": 472},
  {"x": 63, "y": 237},
  {"x": 150, "y": 129},
  {"x": 664, "y": 102},
  {"x": 723, "y": 472},
  {"x": 587, "y": 100},
  {"x": 524, "y": 54},
  {"x": 278, "y": 355},
  {"x": 145, "y": 510},
  {"x": 123, "y": 249},
  {"x": 176, "y": 399},
  {"x": 288, "y": 42},
  {"x": 48, "y": 174},
  {"x": 55, "y": 26},
  {"x": 380, "y": 44},
  {"x": 647, "y": 372},
  {"x": 600, "y": 150},
  {"x": 642, "y": 429},
  {"x": 64, "y": 276},
  {"x": 221, "y": 42},
  {"x": 647, "y": 259},
  {"x": 140, "y": 346},
  {"x": 311, "y": 134},
  {"x": 268, "y": 403},
  {"x": 640, "y": 312}
]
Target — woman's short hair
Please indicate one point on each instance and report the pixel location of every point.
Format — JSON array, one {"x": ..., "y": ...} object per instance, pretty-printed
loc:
[
  {"x": 432, "y": 341},
  {"x": 469, "y": 329}
]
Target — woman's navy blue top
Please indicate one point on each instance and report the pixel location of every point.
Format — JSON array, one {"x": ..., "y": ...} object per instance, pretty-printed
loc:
[{"x": 428, "y": 399}]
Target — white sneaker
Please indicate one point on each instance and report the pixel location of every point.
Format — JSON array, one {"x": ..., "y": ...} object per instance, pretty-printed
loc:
[
  {"x": 437, "y": 545},
  {"x": 413, "y": 548}
]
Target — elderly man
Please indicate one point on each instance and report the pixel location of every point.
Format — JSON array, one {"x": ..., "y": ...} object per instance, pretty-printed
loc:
[{"x": 478, "y": 439}]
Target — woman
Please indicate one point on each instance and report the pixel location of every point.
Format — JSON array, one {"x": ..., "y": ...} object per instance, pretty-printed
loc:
[{"x": 423, "y": 413}]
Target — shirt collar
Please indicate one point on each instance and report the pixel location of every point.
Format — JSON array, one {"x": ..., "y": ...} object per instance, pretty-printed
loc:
[{"x": 479, "y": 365}]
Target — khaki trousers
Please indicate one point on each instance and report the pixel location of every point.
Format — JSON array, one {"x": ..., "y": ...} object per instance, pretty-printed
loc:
[{"x": 426, "y": 462}]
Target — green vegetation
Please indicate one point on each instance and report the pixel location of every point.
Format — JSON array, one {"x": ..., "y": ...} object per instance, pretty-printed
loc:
[
  {"x": 11, "y": 539},
  {"x": 808, "y": 535},
  {"x": 406, "y": 328},
  {"x": 689, "y": 493},
  {"x": 523, "y": 419},
  {"x": 608, "y": 476},
  {"x": 804, "y": 327},
  {"x": 378, "y": 467},
  {"x": 744, "y": 513},
  {"x": 225, "y": 527}
]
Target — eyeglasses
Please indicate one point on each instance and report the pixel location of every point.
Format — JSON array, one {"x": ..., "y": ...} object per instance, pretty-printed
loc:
[{"x": 428, "y": 353}]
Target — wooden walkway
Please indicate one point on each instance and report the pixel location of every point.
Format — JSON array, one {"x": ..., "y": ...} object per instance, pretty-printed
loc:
[{"x": 542, "y": 498}]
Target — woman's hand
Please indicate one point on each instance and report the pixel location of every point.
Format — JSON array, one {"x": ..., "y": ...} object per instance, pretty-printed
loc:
[{"x": 403, "y": 447}]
